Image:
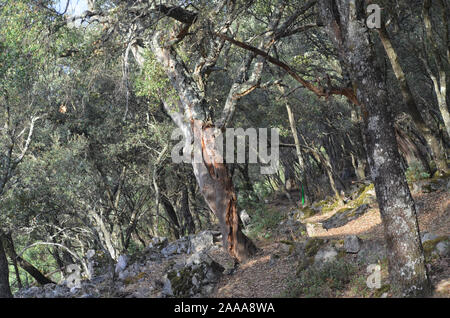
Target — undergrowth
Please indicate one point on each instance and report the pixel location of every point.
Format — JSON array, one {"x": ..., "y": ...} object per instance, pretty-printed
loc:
[{"x": 324, "y": 281}]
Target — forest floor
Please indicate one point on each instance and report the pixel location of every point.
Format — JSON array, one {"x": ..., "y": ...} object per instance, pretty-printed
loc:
[
  {"x": 269, "y": 276},
  {"x": 290, "y": 239}
]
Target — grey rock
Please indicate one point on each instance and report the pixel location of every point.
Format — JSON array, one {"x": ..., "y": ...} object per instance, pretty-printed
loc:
[
  {"x": 229, "y": 271},
  {"x": 341, "y": 218},
  {"x": 324, "y": 255},
  {"x": 296, "y": 215},
  {"x": 371, "y": 252},
  {"x": 153, "y": 255},
  {"x": 141, "y": 292},
  {"x": 122, "y": 263},
  {"x": 317, "y": 208},
  {"x": 199, "y": 271},
  {"x": 291, "y": 227},
  {"x": 202, "y": 241},
  {"x": 428, "y": 237},
  {"x": 98, "y": 279},
  {"x": 158, "y": 242},
  {"x": 207, "y": 290},
  {"x": 124, "y": 274},
  {"x": 178, "y": 247},
  {"x": 195, "y": 282},
  {"x": 352, "y": 244},
  {"x": 313, "y": 228},
  {"x": 443, "y": 248},
  {"x": 167, "y": 288},
  {"x": 75, "y": 290},
  {"x": 90, "y": 254},
  {"x": 298, "y": 250},
  {"x": 284, "y": 248}
]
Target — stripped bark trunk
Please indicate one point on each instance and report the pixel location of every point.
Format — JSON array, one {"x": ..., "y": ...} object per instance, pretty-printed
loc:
[
  {"x": 211, "y": 174},
  {"x": 189, "y": 112},
  {"x": 345, "y": 25},
  {"x": 217, "y": 188}
]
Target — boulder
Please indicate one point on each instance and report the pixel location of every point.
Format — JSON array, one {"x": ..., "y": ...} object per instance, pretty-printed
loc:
[
  {"x": 124, "y": 274},
  {"x": 202, "y": 241},
  {"x": 196, "y": 279},
  {"x": 298, "y": 250},
  {"x": 59, "y": 291},
  {"x": 431, "y": 185},
  {"x": 158, "y": 243},
  {"x": 371, "y": 252},
  {"x": 428, "y": 237},
  {"x": 274, "y": 258},
  {"x": 443, "y": 248},
  {"x": 179, "y": 246},
  {"x": 344, "y": 216},
  {"x": 352, "y": 244},
  {"x": 325, "y": 254}
]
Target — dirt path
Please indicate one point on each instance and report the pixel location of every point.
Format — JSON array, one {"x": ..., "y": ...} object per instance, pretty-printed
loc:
[{"x": 262, "y": 277}]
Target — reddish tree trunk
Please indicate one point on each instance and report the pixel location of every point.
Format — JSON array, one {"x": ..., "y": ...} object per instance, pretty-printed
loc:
[{"x": 217, "y": 188}]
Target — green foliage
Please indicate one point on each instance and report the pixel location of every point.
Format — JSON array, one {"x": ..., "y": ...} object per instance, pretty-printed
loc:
[
  {"x": 313, "y": 245},
  {"x": 415, "y": 172},
  {"x": 324, "y": 281},
  {"x": 38, "y": 257},
  {"x": 363, "y": 196},
  {"x": 263, "y": 188},
  {"x": 92, "y": 163},
  {"x": 264, "y": 220},
  {"x": 152, "y": 81}
]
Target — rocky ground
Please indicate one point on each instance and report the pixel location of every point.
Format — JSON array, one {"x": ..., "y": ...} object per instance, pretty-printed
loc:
[{"x": 318, "y": 251}]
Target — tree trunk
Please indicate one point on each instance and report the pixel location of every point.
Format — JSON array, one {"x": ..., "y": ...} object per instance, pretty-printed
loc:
[
  {"x": 5, "y": 291},
  {"x": 18, "y": 279},
  {"x": 345, "y": 24},
  {"x": 439, "y": 80},
  {"x": 211, "y": 173},
  {"x": 298, "y": 150},
  {"x": 168, "y": 207},
  {"x": 104, "y": 234},
  {"x": 8, "y": 245},
  {"x": 248, "y": 186},
  {"x": 189, "y": 225},
  {"x": 408, "y": 99},
  {"x": 328, "y": 170},
  {"x": 217, "y": 188},
  {"x": 193, "y": 201}
]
